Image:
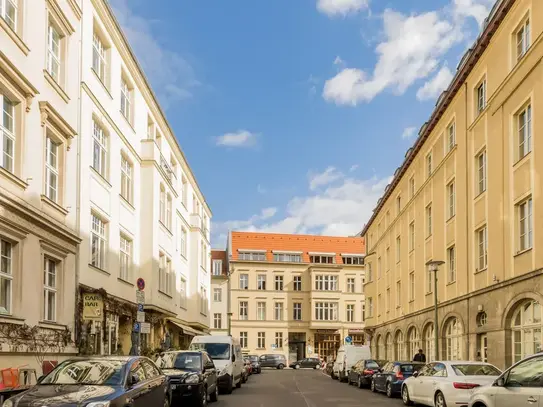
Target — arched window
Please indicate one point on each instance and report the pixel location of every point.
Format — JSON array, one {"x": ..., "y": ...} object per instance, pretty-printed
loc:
[
  {"x": 526, "y": 327},
  {"x": 453, "y": 339},
  {"x": 399, "y": 346},
  {"x": 380, "y": 348},
  {"x": 389, "y": 348},
  {"x": 429, "y": 343},
  {"x": 413, "y": 343}
]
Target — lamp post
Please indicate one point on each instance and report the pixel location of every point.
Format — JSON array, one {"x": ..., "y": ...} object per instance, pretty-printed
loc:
[
  {"x": 433, "y": 267},
  {"x": 229, "y": 298}
]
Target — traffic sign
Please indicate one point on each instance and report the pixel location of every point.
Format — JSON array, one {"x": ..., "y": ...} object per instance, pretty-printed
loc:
[
  {"x": 140, "y": 317},
  {"x": 140, "y": 282},
  {"x": 140, "y": 297},
  {"x": 140, "y": 307},
  {"x": 136, "y": 326},
  {"x": 348, "y": 339},
  {"x": 274, "y": 346},
  {"x": 145, "y": 327}
]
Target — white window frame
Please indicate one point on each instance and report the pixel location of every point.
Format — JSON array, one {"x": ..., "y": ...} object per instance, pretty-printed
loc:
[
  {"x": 451, "y": 199},
  {"x": 326, "y": 283},
  {"x": 523, "y": 39},
  {"x": 244, "y": 339},
  {"x": 279, "y": 340},
  {"x": 261, "y": 340},
  {"x": 261, "y": 310},
  {"x": 244, "y": 281},
  {"x": 451, "y": 264},
  {"x": 412, "y": 188},
  {"x": 99, "y": 57},
  {"x": 322, "y": 259},
  {"x": 398, "y": 249},
  {"x": 482, "y": 248},
  {"x": 451, "y": 136},
  {"x": 412, "y": 236},
  {"x": 524, "y": 128},
  {"x": 278, "y": 311},
  {"x": 370, "y": 307},
  {"x": 99, "y": 237},
  {"x": 398, "y": 294},
  {"x": 11, "y": 20},
  {"x": 169, "y": 212},
  {"x": 125, "y": 262},
  {"x": 297, "y": 283},
  {"x": 525, "y": 219},
  {"x": 326, "y": 311},
  {"x": 217, "y": 320},
  {"x": 100, "y": 149},
  {"x": 183, "y": 293},
  {"x": 183, "y": 241},
  {"x": 217, "y": 294},
  {"x": 126, "y": 179},
  {"x": 126, "y": 100},
  {"x": 481, "y": 96},
  {"x": 244, "y": 310},
  {"x": 162, "y": 205},
  {"x": 349, "y": 313},
  {"x": 429, "y": 228},
  {"x": 412, "y": 288},
  {"x": 7, "y": 133},
  {"x": 279, "y": 283},
  {"x": 429, "y": 165},
  {"x": 217, "y": 267},
  {"x": 6, "y": 274},
  {"x": 54, "y": 58},
  {"x": 297, "y": 311},
  {"x": 481, "y": 172},
  {"x": 351, "y": 284},
  {"x": 261, "y": 282},
  {"x": 50, "y": 287},
  {"x": 52, "y": 175}
]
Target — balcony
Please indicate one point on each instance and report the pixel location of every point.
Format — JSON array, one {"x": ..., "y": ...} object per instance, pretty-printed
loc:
[
  {"x": 168, "y": 172},
  {"x": 195, "y": 221}
]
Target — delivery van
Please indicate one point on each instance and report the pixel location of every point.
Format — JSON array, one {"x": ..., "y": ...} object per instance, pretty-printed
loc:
[{"x": 347, "y": 356}]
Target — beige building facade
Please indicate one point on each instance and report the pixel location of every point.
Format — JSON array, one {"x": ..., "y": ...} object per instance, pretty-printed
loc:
[
  {"x": 296, "y": 295},
  {"x": 467, "y": 194},
  {"x": 219, "y": 293}
]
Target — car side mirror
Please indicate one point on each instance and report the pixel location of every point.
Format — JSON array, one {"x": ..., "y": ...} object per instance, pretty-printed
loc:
[
  {"x": 233, "y": 358},
  {"x": 133, "y": 380},
  {"x": 209, "y": 366},
  {"x": 500, "y": 382},
  {"x": 415, "y": 374}
]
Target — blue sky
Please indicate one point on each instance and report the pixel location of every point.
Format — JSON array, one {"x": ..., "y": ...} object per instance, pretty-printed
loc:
[{"x": 295, "y": 113}]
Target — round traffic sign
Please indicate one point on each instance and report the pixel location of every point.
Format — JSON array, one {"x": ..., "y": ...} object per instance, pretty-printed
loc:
[
  {"x": 141, "y": 284},
  {"x": 348, "y": 339}
]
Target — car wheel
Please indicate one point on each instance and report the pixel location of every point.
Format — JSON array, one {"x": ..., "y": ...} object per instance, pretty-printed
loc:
[
  {"x": 390, "y": 394},
  {"x": 229, "y": 387},
  {"x": 166, "y": 401},
  {"x": 202, "y": 402},
  {"x": 238, "y": 384},
  {"x": 281, "y": 366},
  {"x": 360, "y": 385},
  {"x": 405, "y": 397},
  {"x": 215, "y": 395},
  {"x": 333, "y": 375},
  {"x": 296, "y": 366},
  {"x": 372, "y": 386},
  {"x": 440, "y": 400}
]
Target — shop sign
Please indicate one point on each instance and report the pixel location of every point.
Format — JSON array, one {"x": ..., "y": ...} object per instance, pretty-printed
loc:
[
  {"x": 356, "y": 331},
  {"x": 328, "y": 331},
  {"x": 93, "y": 307}
]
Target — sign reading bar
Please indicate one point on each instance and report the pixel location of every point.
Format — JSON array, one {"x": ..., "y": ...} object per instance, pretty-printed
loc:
[{"x": 93, "y": 307}]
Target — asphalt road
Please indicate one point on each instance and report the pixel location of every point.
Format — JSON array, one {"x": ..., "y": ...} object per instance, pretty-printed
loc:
[{"x": 301, "y": 388}]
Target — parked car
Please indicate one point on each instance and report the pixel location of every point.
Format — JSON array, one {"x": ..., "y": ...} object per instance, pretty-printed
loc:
[
  {"x": 518, "y": 386},
  {"x": 390, "y": 377},
  {"x": 347, "y": 356},
  {"x": 193, "y": 376},
  {"x": 313, "y": 363},
  {"x": 447, "y": 383},
  {"x": 273, "y": 360},
  {"x": 381, "y": 362},
  {"x": 362, "y": 372},
  {"x": 99, "y": 381},
  {"x": 255, "y": 363}
]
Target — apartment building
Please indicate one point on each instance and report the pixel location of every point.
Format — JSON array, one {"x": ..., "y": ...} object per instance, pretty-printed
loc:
[
  {"x": 95, "y": 192},
  {"x": 296, "y": 295},
  {"x": 467, "y": 194},
  {"x": 219, "y": 293}
]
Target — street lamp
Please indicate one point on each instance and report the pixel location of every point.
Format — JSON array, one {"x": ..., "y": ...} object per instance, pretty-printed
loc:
[{"x": 433, "y": 267}]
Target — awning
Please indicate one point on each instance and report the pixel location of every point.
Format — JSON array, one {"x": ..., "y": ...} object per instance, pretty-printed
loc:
[{"x": 187, "y": 329}]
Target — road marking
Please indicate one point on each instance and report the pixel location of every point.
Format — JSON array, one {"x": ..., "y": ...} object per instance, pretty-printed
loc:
[{"x": 308, "y": 402}]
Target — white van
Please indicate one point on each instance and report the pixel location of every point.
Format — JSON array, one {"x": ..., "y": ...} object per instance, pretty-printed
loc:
[
  {"x": 226, "y": 354},
  {"x": 347, "y": 356}
]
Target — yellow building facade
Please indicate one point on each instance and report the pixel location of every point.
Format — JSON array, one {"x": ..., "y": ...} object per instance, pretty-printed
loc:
[{"x": 467, "y": 194}]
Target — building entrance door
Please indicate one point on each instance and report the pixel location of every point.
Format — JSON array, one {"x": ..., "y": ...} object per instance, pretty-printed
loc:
[
  {"x": 327, "y": 345},
  {"x": 483, "y": 347},
  {"x": 296, "y": 346}
]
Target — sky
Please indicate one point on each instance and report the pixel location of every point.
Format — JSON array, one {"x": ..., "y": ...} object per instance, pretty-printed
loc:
[{"x": 294, "y": 114}]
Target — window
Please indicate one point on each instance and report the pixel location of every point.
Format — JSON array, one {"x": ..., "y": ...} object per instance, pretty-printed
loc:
[
  {"x": 429, "y": 343},
  {"x": 50, "y": 289},
  {"x": 430, "y": 281},
  {"x": 244, "y": 281},
  {"x": 169, "y": 212},
  {"x": 99, "y": 58},
  {"x": 350, "y": 313},
  {"x": 353, "y": 260},
  {"x": 203, "y": 300},
  {"x": 350, "y": 285},
  {"x": 453, "y": 339},
  {"x": 183, "y": 242},
  {"x": 278, "y": 283},
  {"x": 297, "y": 308},
  {"x": 525, "y": 224},
  {"x": 526, "y": 326},
  {"x": 217, "y": 295},
  {"x": 524, "y": 123},
  {"x": 370, "y": 306},
  {"x": 217, "y": 267},
  {"x": 399, "y": 346},
  {"x": 98, "y": 242},
  {"x": 451, "y": 136},
  {"x": 7, "y": 129},
  {"x": 412, "y": 286},
  {"x": 8, "y": 11},
  {"x": 6, "y": 276},
  {"x": 217, "y": 321},
  {"x": 261, "y": 282},
  {"x": 243, "y": 339},
  {"x": 389, "y": 347},
  {"x": 398, "y": 204},
  {"x": 126, "y": 100},
  {"x": 53, "y": 51},
  {"x": 183, "y": 293},
  {"x": 481, "y": 96},
  {"x": 523, "y": 39},
  {"x": 451, "y": 199},
  {"x": 184, "y": 194},
  {"x": 413, "y": 344},
  {"x": 248, "y": 256},
  {"x": 162, "y": 204},
  {"x": 398, "y": 249},
  {"x": 429, "y": 220},
  {"x": 51, "y": 169},
  {"x": 125, "y": 258},
  {"x": 429, "y": 168},
  {"x": 100, "y": 154},
  {"x": 388, "y": 299},
  {"x": 326, "y": 283},
  {"x": 380, "y": 304},
  {"x": 261, "y": 340},
  {"x": 126, "y": 179},
  {"x": 412, "y": 187},
  {"x": 398, "y": 294},
  {"x": 279, "y": 340},
  {"x": 482, "y": 245},
  {"x": 278, "y": 311},
  {"x": 481, "y": 172},
  {"x": 369, "y": 271},
  {"x": 164, "y": 273},
  {"x": 287, "y": 258},
  {"x": 261, "y": 311},
  {"x": 326, "y": 311},
  {"x": 412, "y": 236},
  {"x": 243, "y": 310},
  {"x": 451, "y": 258},
  {"x": 297, "y": 283},
  {"x": 321, "y": 259}
]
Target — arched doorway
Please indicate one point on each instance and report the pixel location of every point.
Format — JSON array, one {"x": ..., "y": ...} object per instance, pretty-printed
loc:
[
  {"x": 413, "y": 342},
  {"x": 453, "y": 339},
  {"x": 526, "y": 328},
  {"x": 380, "y": 348},
  {"x": 389, "y": 354},
  {"x": 429, "y": 338},
  {"x": 399, "y": 347}
]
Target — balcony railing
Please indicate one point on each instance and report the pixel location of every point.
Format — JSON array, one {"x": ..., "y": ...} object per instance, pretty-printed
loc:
[{"x": 170, "y": 174}]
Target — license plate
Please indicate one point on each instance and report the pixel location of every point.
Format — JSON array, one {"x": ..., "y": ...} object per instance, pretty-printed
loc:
[{"x": 174, "y": 386}]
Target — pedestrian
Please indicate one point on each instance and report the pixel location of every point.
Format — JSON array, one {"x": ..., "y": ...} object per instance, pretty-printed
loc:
[{"x": 420, "y": 357}]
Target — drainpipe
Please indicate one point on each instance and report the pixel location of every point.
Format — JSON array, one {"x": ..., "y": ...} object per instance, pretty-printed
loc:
[{"x": 468, "y": 326}]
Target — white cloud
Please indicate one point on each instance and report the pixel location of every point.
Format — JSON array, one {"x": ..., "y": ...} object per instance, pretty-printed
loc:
[
  {"x": 408, "y": 133},
  {"x": 478, "y": 9},
  {"x": 240, "y": 138},
  {"x": 433, "y": 88},
  {"x": 171, "y": 75},
  {"x": 341, "y": 7},
  {"x": 338, "y": 210},
  {"x": 324, "y": 178}
]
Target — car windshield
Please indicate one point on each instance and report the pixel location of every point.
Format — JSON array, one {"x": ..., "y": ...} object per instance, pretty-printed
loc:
[
  {"x": 409, "y": 368},
  {"x": 475, "y": 370},
  {"x": 180, "y": 360},
  {"x": 253, "y": 358},
  {"x": 87, "y": 372},
  {"x": 217, "y": 351},
  {"x": 370, "y": 364}
]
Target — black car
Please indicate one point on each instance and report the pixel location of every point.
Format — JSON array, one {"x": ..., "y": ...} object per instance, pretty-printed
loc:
[
  {"x": 362, "y": 372},
  {"x": 273, "y": 360},
  {"x": 313, "y": 363},
  {"x": 390, "y": 377},
  {"x": 192, "y": 374},
  {"x": 255, "y": 363},
  {"x": 99, "y": 381}
]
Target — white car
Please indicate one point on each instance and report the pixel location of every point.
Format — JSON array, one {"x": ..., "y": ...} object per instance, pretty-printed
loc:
[
  {"x": 519, "y": 386},
  {"x": 449, "y": 383}
]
